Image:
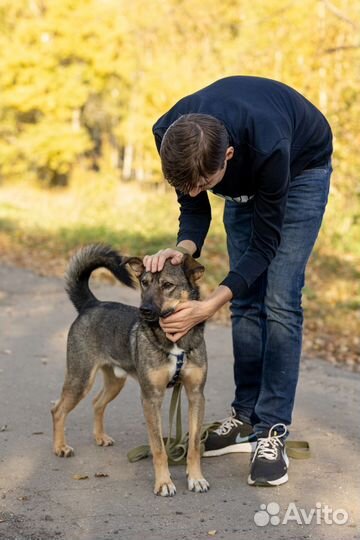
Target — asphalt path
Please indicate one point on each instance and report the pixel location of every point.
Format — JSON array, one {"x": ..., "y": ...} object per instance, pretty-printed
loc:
[{"x": 40, "y": 499}]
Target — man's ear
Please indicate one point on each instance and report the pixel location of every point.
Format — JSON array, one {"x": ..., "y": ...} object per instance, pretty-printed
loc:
[
  {"x": 229, "y": 153},
  {"x": 135, "y": 264},
  {"x": 192, "y": 268}
]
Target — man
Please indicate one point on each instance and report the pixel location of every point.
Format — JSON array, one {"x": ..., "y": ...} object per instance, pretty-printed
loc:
[{"x": 267, "y": 150}]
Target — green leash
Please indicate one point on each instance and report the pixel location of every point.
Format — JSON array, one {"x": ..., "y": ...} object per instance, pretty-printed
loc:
[
  {"x": 176, "y": 447},
  {"x": 298, "y": 449}
]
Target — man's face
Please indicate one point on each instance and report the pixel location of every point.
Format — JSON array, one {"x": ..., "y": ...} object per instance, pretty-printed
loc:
[{"x": 214, "y": 179}]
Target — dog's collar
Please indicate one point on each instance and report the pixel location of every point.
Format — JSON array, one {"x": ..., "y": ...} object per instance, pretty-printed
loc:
[{"x": 179, "y": 364}]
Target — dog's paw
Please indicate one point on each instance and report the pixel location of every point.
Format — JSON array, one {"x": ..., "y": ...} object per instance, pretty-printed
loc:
[
  {"x": 64, "y": 451},
  {"x": 104, "y": 440},
  {"x": 165, "y": 489},
  {"x": 199, "y": 485}
]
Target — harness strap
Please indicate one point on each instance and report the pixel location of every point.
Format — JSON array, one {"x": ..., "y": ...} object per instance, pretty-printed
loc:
[{"x": 179, "y": 364}]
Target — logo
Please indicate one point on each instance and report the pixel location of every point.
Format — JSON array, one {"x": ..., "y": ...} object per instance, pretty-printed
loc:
[
  {"x": 247, "y": 438},
  {"x": 320, "y": 514}
]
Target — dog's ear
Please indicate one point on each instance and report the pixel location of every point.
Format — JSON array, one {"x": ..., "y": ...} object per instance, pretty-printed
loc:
[
  {"x": 192, "y": 268},
  {"x": 135, "y": 264}
]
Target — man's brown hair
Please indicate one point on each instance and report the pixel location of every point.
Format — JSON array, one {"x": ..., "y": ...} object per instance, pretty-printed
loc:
[{"x": 193, "y": 148}]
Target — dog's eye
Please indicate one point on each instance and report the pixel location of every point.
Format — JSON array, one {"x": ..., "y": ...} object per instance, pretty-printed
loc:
[
  {"x": 167, "y": 285},
  {"x": 145, "y": 282}
]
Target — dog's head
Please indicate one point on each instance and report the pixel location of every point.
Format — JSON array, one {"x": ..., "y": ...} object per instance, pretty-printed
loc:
[{"x": 161, "y": 292}]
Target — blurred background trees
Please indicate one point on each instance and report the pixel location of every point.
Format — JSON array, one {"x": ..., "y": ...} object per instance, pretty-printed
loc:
[{"x": 83, "y": 81}]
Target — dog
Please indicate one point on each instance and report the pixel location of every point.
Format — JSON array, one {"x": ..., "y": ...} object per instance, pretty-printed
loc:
[{"x": 123, "y": 340}]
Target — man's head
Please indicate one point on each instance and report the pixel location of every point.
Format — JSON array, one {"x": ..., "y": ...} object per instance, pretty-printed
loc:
[{"x": 194, "y": 153}]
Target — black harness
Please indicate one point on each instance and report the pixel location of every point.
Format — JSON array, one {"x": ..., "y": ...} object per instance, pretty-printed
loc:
[{"x": 180, "y": 358}]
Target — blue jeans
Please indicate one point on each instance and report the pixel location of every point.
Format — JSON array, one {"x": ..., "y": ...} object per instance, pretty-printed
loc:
[{"x": 267, "y": 323}]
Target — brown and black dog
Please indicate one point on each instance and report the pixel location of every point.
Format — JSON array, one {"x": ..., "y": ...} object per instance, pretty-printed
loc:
[{"x": 123, "y": 340}]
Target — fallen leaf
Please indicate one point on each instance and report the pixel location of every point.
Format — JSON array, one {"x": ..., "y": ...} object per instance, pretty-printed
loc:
[
  {"x": 37, "y": 433},
  {"x": 80, "y": 477},
  {"x": 212, "y": 533},
  {"x": 101, "y": 475},
  {"x": 23, "y": 498},
  {"x": 3, "y": 428}
]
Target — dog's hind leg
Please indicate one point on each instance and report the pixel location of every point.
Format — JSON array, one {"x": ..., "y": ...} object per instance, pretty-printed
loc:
[
  {"x": 76, "y": 387},
  {"x": 112, "y": 386}
]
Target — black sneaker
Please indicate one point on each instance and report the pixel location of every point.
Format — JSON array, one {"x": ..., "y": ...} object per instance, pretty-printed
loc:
[
  {"x": 232, "y": 435},
  {"x": 269, "y": 464}
]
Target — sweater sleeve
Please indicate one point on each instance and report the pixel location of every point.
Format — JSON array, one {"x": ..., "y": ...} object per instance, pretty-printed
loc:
[
  {"x": 194, "y": 219},
  {"x": 158, "y": 140},
  {"x": 195, "y": 212},
  {"x": 269, "y": 209}
]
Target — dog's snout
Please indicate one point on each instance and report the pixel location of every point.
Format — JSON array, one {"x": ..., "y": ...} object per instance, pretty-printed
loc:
[{"x": 148, "y": 311}]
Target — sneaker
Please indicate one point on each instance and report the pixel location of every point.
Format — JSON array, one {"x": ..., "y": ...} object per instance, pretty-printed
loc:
[
  {"x": 232, "y": 435},
  {"x": 269, "y": 464}
]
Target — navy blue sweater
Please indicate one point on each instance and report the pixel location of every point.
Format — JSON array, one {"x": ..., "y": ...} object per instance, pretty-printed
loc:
[{"x": 276, "y": 133}]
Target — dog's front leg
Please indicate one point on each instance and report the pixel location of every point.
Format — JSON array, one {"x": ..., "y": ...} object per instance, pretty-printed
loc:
[
  {"x": 152, "y": 411},
  {"x": 194, "y": 380}
]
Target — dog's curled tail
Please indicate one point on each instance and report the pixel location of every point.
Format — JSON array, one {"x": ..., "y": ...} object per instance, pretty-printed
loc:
[{"x": 83, "y": 263}]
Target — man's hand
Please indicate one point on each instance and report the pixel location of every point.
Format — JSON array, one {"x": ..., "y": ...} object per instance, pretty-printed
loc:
[
  {"x": 187, "y": 315},
  {"x": 155, "y": 263}
]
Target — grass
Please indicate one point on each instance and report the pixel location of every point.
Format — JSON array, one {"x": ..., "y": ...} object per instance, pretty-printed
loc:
[{"x": 39, "y": 229}]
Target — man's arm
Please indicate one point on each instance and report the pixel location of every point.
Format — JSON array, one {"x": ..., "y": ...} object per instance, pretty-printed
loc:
[
  {"x": 188, "y": 245},
  {"x": 217, "y": 299},
  {"x": 269, "y": 210},
  {"x": 195, "y": 212},
  {"x": 194, "y": 219}
]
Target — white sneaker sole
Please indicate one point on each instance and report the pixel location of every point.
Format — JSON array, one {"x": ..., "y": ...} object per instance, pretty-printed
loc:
[
  {"x": 233, "y": 449},
  {"x": 270, "y": 483}
]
